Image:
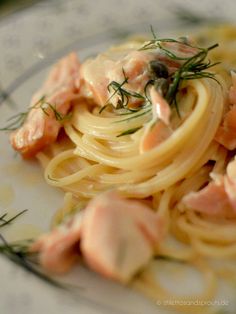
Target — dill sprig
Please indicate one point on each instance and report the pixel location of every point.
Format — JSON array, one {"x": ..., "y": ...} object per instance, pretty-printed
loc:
[
  {"x": 124, "y": 94},
  {"x": 45, "y": 106},
  {"x": 129, "y": 131},
  {"x": 193, "y": 68},
  {"x": 17, "y": 120},
  {"x": 169, "y": 259},
  {"x": 168, "y": 84},
  {"x": 122, "y": 108},
  {"x": 4, "y": 221},
  {"x": 158, "y": 43},
  {"x": 134, "y": 115},
  {"x": 19, "y": 254}
]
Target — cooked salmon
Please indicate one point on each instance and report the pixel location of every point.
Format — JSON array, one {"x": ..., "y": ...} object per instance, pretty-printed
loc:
[
  {"x": 116, "y": 236},
  {"x": 226, "y": 133},
  {"x": 128, "y": 59},
  {"x": 59, "y": 249},
  {"x": 48, "y": 107},
  {"x": 119, "y": 235},
  {"x": 218, "y": 198},
  {"x": 154, "y": 134},
  {"x": 127, "y": 66}
]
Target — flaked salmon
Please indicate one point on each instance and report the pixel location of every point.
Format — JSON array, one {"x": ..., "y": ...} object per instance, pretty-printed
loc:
[
  {"x": 48, "y": 107},
  {"x": 218, "y": 198},
  {"x": 117, "y": 237},
  {"x": 226, "y": 133}
]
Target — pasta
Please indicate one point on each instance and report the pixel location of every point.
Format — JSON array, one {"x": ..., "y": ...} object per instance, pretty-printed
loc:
[{"x": 102, "y": 150}]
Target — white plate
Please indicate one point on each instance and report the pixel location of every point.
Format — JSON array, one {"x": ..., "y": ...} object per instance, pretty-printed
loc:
[{"x": 31, "y": 41}]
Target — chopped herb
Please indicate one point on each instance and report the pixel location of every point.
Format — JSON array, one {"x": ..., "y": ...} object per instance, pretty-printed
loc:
[
  {"x": 167, "y": 84},
  {"x": 169, "y": 258},
  {"x": 5, "y": 222},
  {"x": 122, "y": 104},
  {"x": 19, "y": 254},
  {"x": 136, "y": 115},
  {"x": 16, "y": 121},
  {"x": 124, "y": 94},
  {"x": 193, "y": 67},
  {"x": 130, "y": 131},
  {"x": 58, "y": 116}
]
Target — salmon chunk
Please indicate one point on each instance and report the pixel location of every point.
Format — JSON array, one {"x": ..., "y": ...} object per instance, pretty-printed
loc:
[
  {"x": 48, "y": 107},
  {"x": 117, "y": 237},
  {"x": 218, "y": 198},
  {"x": 59, "y": 249},
  {"x": 126, "y": 62},
  {"x": 226, "y": 133}
]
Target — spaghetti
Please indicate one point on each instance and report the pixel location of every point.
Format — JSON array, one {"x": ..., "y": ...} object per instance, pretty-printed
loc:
[{"x": 102, "y": 150}]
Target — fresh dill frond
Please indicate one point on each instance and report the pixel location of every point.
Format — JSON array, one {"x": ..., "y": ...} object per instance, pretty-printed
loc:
[
  {"x": 19, "y": 254},
  {"x": 45, "y": 106},
  {"x": 4, "y": 221},
  {"x": 117, "y": 87},
  {"x": 122, "y": 108},
  {"x": 135, "y": 115},
  {"x": 157, "y": 43},
  {"x": 194, "y": 66},
  {"x": 169, "y": 259},
  {"x": 17, "y": 121},
  {"x": 128, "y": 132},
  {"x": 124, "y": 94}
]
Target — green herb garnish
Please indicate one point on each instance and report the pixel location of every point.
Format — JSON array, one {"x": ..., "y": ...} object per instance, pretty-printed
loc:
[
  {"x": 19, "y": 254},
  {"x": 128, "y": 132},
  {"x": 169, "y": 259},
  {"x": 193, "y": 68},
  {"x": 16, "y": 121},
  {"x": 135, "y": 115},
  {"x": 124, "y": 94},
  {"x": 4, "y": 221},
  {"x": 168, "y": 84}
]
